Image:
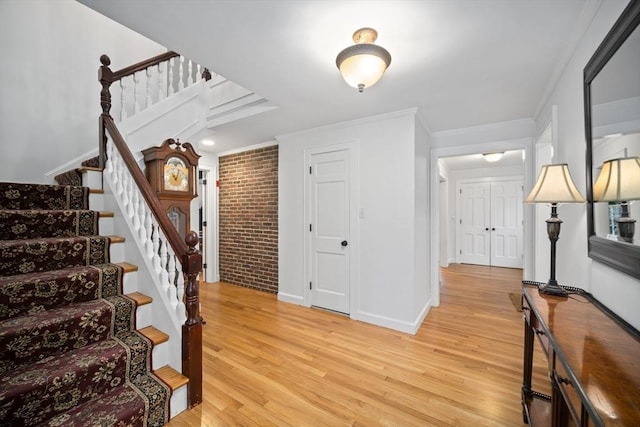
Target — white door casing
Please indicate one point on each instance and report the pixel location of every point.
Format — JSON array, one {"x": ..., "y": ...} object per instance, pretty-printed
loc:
[{"x": 329, "y": 229}]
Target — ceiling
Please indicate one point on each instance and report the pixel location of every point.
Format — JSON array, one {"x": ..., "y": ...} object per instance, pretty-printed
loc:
[{"x": 460, "y": 62}]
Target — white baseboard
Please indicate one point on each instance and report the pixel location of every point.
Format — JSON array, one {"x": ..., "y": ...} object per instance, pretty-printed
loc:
[
  {"x": 395, "y": 324},
  {"x": 294, "y": 299}
]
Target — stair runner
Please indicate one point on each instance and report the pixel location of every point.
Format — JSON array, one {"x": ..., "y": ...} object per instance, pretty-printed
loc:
[{"x": 69, "y": 352}]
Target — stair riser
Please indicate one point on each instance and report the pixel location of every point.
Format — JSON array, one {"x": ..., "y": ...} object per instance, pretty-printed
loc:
[
  {"x": 117, "y": 253},
  {"x": 40, "y": 224},
  {"x": 20, "y": 257},
  {"x": 92, "y": 179},
  {"x": 105, "y": 225}
]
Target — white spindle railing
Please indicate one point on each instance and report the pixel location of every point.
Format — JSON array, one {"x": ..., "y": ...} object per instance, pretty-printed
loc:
[
  {"x": 141, "y": 90},
  {"x": 163, "y": 264}
]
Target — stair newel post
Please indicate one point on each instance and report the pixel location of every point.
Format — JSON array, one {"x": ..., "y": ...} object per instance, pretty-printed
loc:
[
  {"x": 105, "y": 76},
  {"x": 192, "y": 329}
]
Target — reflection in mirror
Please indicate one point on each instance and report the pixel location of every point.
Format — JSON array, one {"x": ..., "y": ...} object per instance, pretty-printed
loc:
[
  {"x": 612, "y": 129},
  {"x": 615, "y": 130}
]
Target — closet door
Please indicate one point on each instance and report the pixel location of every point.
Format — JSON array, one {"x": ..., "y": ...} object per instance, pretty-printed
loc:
[
  {"x": 506, "y": 224},
  {"x": 490, "y": 229},
  {"x": 474, "y": 201}
]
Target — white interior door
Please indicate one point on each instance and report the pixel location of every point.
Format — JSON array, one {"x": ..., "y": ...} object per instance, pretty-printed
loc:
[
  {"x": 490, "y": 225},
  {"x": 329, "y": 229},
  {"x": 473, "y": 222},
  {"x": 506, "y": 224}
]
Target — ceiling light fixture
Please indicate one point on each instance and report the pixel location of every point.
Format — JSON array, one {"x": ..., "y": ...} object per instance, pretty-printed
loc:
[
  {"x": 362, "y": 64},
  {"x": 492, "y": 157}
]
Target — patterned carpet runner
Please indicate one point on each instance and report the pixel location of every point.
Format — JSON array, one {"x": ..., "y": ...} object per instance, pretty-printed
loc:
[{"x": 69, "y": 352}]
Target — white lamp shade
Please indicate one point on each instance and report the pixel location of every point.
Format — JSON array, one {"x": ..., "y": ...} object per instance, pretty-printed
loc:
[
  {"x": 555, "y": 185},
  {"x": 619, "y": 180},
  {"x": 362, "y": 69}
]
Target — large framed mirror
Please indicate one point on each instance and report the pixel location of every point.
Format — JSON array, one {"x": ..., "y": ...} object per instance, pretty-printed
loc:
[{"x": 612, "y": 127}]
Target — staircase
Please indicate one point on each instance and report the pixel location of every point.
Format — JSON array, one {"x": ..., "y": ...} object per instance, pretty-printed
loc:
[{"x": 74, "y": 348}]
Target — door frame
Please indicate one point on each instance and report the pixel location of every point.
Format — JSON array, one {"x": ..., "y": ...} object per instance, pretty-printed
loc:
[
  {"x": 525, "y": 144},
  {"x": 352, "y": 148},
  {"x": 210, "y": 207}
]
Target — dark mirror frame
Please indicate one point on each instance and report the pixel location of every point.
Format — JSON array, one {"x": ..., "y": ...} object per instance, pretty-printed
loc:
[{"x": 619, "y": 255}]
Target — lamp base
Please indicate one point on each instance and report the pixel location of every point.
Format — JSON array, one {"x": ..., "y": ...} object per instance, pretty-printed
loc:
[
  {"x": 552, "y": 288},
  {"x": 626, "y": 228}
]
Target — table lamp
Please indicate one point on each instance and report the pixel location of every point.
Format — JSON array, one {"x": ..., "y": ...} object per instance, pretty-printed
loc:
[{"x": 554, "y": 185}]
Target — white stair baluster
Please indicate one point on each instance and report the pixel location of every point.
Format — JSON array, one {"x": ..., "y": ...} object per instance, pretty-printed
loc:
[
  {"x": 190, "y": 75},
  {"x": 172, "y": 63},
  {"x": 123, "y": 100},
  {"x": 161, "y": 82},
  {"x": 156, "y": 249},
  {"x": 136, "y": 100},
  {"x": 171, "y": 268},
  {"x": 135, "y": 202},
  {"x": 148, "y": 226},
  {"x": 181, "y": 74},
  {"x": 164, "y": 276},
  {"x": 149, "y": 99},
  {"x": 180, "y": 285}
]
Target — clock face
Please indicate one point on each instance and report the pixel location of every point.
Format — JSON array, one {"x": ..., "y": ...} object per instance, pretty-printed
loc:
[{"x": 176, "y": 175}]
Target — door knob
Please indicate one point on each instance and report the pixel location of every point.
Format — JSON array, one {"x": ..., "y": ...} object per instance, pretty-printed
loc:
[
  {"x": 486, "y": 229},
  {"x": 344, "y": 243}
]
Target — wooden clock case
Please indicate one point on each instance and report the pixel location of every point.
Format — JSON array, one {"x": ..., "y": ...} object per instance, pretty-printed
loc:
[{"x": 158, "y": 161}]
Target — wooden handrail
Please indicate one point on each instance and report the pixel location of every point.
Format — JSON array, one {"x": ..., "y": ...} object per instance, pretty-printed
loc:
[
  {"x": 177, "y": 243},
  {"x": 143, "y": 65}
]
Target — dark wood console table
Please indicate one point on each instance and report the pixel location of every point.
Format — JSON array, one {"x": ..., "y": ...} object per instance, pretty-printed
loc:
[{"x": 593, "y": 361}]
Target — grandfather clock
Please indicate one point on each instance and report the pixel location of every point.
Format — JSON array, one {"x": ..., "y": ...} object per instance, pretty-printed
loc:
[{"x": 171, "y": 171}]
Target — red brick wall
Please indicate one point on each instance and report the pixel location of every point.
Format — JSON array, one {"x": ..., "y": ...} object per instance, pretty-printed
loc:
[{"x": 248, "y": 227}]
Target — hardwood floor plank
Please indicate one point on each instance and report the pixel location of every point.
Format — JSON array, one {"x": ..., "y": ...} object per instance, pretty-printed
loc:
[{"x": 270, "y": 363}]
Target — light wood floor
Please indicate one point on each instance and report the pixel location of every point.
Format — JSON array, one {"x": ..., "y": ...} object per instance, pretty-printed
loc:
[{"x": 270, "y": 363}]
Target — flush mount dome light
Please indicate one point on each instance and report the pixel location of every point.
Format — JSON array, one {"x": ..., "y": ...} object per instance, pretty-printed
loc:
[
  {"x": 493, "y": 157},
  {"x": 362, "y": 64}
]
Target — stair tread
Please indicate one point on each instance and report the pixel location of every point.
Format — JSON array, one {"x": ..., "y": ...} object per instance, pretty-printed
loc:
[
  {"x": 171, "y": 377},
  {"x": 156, "y": 336},
  {"x": 127, "y": 267},
  {"x": 116, "y": 239},
  {"x": 106, "y": 214},
  {"x": 96, "y": 191},
  {"x": 140, "y": 298}
]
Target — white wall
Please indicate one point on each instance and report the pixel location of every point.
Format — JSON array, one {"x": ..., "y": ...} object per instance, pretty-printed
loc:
[
  {"x": 50, "y": 91},
  {"x": 618, "y": 291},
  {"x": 389, "y": 154}
]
